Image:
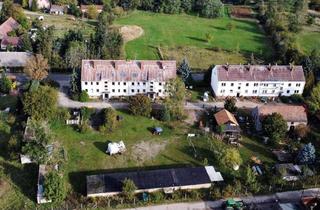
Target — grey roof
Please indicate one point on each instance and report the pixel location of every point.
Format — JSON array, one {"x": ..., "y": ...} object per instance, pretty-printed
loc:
[
  {"x": 14, "y": 59},
  {"x": 259, "y": 73},
  {"x": 56, "y": 8}
]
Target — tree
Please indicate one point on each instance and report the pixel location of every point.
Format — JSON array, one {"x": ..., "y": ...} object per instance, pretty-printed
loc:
[
  {"x": 75, "y": 84},
  {"x": 140, "y": 105},
  {"x": 128, "y": 188},
  {"x": 44, "y": 42},
  {"x": 174, "y": 102},
  {"x": 307, "y": 154},
  {"x": 37, "y": 68},
  {"x": 187, "y": 5},
  {"x": 34, "y": 5},
  {"x": 185, "y": 71},
  {"x": 210, "y": 8},
  {"x": 231, "y": 158},
  {"x": 54, "y": 187},
  {"x": 314, "y": 100},
  {"x": 40, "y": 104},
  {"x": 83, "y": 97},
  {"x": 171, "y": 6},
  {"x": 75, "y": 53},
  {"x": 230, "y": 104},
  {"x": 92, "y": 12},
  {"x": 5, "y": 84},
  {"x": 26, "y": 43},
  {"x": 301, "y": 131},
  {"x": 274, "y": 126},
  {"x": 251, "y": 180},
  {"x": 110, "y": 122},
  {"x": 74, "y": 10}
]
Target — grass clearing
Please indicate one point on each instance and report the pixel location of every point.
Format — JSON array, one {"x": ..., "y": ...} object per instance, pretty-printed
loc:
[
  {"x": 309, "y": 38},
  {"x": 173, "y": 31}
]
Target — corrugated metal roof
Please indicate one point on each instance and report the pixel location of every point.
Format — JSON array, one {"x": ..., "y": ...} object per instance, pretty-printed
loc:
[
  {"x": 259, "y": 73},
  {"x": 121, "y": 70},
  {"x": 14, "y": 59}
]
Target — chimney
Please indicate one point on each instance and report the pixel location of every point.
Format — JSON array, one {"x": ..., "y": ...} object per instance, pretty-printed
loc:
[
  {"x": 269, "y": 67},
  {"x": 291, "y": 66}
]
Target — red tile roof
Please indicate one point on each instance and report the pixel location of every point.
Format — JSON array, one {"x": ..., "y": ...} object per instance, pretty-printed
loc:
[
  {"x": 8, "y": 40},
  {"x": 290, "y": 113},
  {"x": 121, "y": 70},
  {"x": 224, "y": 116},
  {"x": 259, "y": 73},
  {"x": 8, "y": 26}
]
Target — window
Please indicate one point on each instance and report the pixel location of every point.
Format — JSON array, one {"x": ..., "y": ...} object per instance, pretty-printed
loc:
[
  {"x": 97, "y": 83},
  {"x": 86, "y": 90},
  {"x": 124, "y": 83},
  {"x": 281, "y": 88},
  {"x": 289, "y": 84},
  {"x": 255, "y": 91},
  {"x": 132, "y": 90},
  {"x": 246, "y": 91},
  {"x": 132, "y": 83},
  {"x": 97, "y": 90},
  {"x": 264, "y": 91},
  {"x": 296, "y": 91},
  {"x": 232, "y": 84},
  {"x": 239, "y": 83},
  {"x": 223, "y": 84},
  {"x": 106, "y": 82},
  {"x": 118, "y": 90},
  {"x": 266, "y": 85},
  {"x": 274, "y": 85},
  {"x": 113, "y": 83},
  {"x": 160, "y": 91},
  {"x": 255, "y": 84},
  {"x": 239, "y": 88},
  {"x": 273, "y": 91},
  {"x": 144, "y": 83},
  {"x": 85, "y": 83},
  {"x": 288, "y": 91},
  {"x": 160, "y": 83},
  {"x": 118, "y": 83},
  {"x": 113, "y": 90},
  {"x": 144, "y": 90},
  {"x": 124, "y": 90},
  {"x": 298, "y": 84},
  {"x": 138, "y": 91},
  {"x": 138, "y": 83},
  {"x": 151, "y": 90},
  {"x": 151, "y": 82},
  {"x": 91, "y": 83},
  {"x": 247, "y": 84},
  {"x": 231, "y": 91},
  {"x": 223, "y": 91}
]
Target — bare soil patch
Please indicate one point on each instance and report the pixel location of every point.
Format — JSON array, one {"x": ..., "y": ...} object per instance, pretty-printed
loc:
[
  {"x": 130, "y": 32},
  {"x": 4, "y": 187},
  {"x": 147, "y": 150},
  {"x": 241, "y": 12}
]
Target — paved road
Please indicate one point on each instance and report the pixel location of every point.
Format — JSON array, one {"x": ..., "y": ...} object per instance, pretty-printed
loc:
[
  {"x": 64, "y": 101},
  {"x": 263, "y": 202}
]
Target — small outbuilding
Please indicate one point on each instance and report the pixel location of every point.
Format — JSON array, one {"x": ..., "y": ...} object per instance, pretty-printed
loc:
[
  {"x": 74, "y": 117},
  {"x": 227, "y": 123},
  {"x": 57, "y": 10}
]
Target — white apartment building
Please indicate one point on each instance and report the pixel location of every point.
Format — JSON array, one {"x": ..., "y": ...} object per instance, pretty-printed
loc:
[
  {"x": 257, "y": 80},
  {"x": 114, "y": 78}
]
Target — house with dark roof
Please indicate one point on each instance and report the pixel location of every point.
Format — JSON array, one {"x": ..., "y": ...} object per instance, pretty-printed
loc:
[
  {"x": 257, "y": 80},
  {"x": 227, "y": 122},
  {"x": 168, "y": 180},
  {"x": 115, "y": 78},
  {"x": 293, "y": 114}
]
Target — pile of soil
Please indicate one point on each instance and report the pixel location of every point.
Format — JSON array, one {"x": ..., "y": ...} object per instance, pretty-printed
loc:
[{"x": 130, "y": 32}]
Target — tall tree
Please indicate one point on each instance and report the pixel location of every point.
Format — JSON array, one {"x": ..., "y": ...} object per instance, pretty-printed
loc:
[
  {"x": 231, "y": 158},
  {"x": 210, "y": 8},
  {"x": 5, "y": 84},
  {"x": 274, "y": 126},
  {"x": 140, "y": 105},
  {"x": 110, "y": 122},
  {"x": 37, "y": 67},
  {"x": 185, "y": 71},
  {"x": 54, "y": 187},
  {"x": 75, "y": 53},
  {"x": 314, "y": 100},
  {"x": 230, "y": 104},
  {"x": 307, "y": 154}
]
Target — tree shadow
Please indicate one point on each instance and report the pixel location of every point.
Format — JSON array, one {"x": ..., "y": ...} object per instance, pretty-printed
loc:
[
  {"x": 24, "y": 178},
  {"x": 218, "y": 28},
  {"x": 196, "y": 39}
]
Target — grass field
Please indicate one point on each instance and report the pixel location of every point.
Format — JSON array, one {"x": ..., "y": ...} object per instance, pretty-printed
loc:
[
  {"x": 309, "y": 39},
  {"x": 176, "y": 31}
]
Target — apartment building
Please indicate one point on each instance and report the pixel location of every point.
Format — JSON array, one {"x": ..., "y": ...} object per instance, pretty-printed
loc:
[
  {"x": 115, "y": 78},
  {"x": 257, "y": 80}
]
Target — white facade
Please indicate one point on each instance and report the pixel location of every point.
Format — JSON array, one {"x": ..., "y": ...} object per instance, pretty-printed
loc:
[
  {"x": 42, "y": 4},
  {"x": 107, "y": 89},
  {"x": 245, "y": 88}
]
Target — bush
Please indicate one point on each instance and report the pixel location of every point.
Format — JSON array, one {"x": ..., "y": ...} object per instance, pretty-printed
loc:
[
  {"x": 54, "y": 187},
  {"x": 157, "y": 196},
  {"x": 84, "y": 97},
  {"x": 5, "y": 84},
  {"x": 63, "y": 114},
  {"x": 140, "y": 105},
  {"x": 110, "y": 121}
]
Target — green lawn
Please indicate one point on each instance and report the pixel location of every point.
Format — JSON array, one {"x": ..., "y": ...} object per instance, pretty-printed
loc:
[
  {"x": 309, "y": 41},
  {"x": 183, "y": 30}
]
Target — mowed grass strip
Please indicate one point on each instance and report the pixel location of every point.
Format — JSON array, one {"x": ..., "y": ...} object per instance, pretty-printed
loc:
[{"x": 187, "y": 30}]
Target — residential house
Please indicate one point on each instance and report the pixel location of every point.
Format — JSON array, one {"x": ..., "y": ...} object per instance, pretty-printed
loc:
[
  {"x": 227, "y": 122},
  {"x": 56, "y": 10},
  {"x": 8, "y": 41},
  {"x": 41, "y": 4},
  {"x": 14, "y": 59},
  {"x": 84, "y": 8},
  {"x": 116, "y": 78},
  {"x": 293, "y": 114},
  {"x": 8, "y": 26},
  {"x": 257, "y": 80},
  {"x": 168, "y": 180}
]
